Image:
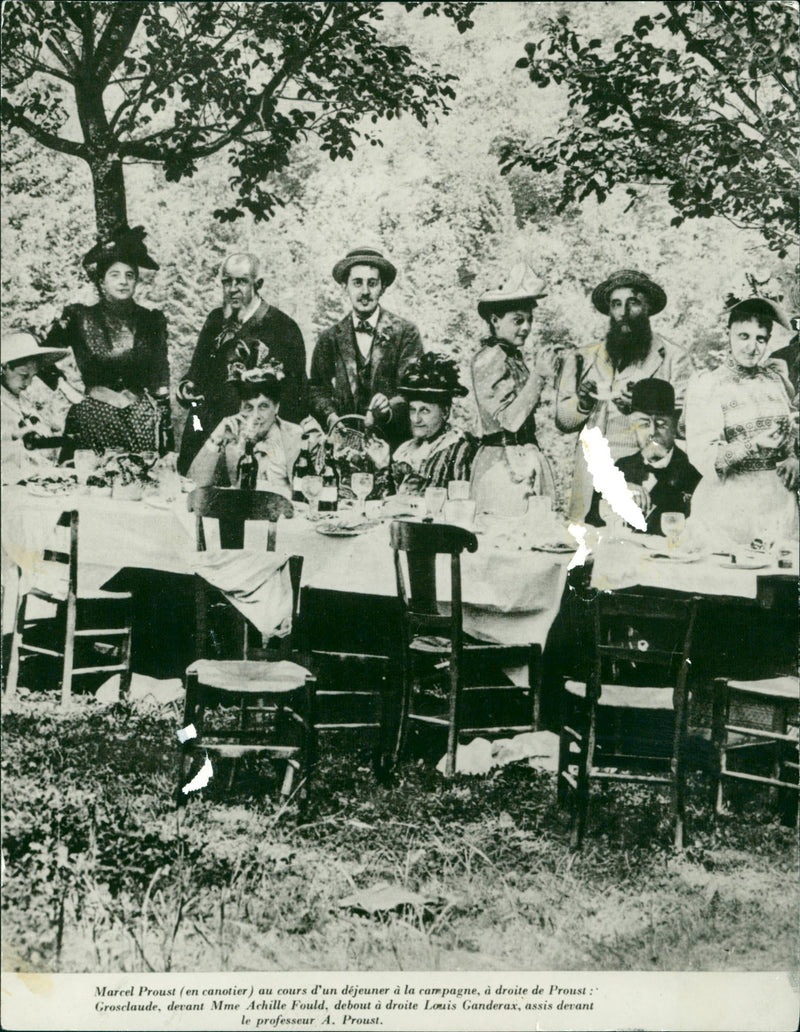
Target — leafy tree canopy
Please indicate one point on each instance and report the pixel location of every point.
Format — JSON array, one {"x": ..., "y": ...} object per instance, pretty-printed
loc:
[
  {"x": 175, "y": 82},
  {"x": 699, "y": 97}
]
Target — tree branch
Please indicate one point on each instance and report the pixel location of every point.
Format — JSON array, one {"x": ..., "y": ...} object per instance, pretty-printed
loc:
[
  {"x": 15, "y": 117},
  {"x": 116, "y": 39}
]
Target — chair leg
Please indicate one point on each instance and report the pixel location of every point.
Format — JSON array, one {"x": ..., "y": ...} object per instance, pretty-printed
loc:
[
  {"x": 190, "y": 716},
  {"x": 585, "y": 761},
  {"x": 453, "y": 718},
  {"x": 69, "y": 649},
  {"x": 535, "y": 683},
  {"x": 12, "y": 679},
  {"x": 720, "y": 736},
  {"x": 127, "y": 673},
  {"x": 563, "y": 767},
  {"x": 404, "y": 709}
]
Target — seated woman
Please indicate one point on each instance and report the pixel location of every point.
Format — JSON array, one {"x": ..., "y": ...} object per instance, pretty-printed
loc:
[
  {"x": 741, "y": 434},
  {"x": 22, "y": 359},
  {"x": 275, "y": 443},
  {"x": 509, "y": 466},
  {"x": 120, "y": 349},
  {"x": 437, "y": 452}
]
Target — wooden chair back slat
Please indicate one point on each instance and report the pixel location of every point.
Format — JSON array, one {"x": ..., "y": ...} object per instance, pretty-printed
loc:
[
  {"x": 232, "y": 508},
  {"x": 421, "y": 543}
]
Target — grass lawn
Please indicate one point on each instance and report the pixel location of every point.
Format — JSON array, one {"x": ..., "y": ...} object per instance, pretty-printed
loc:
[{"x": 102, "y": 875}]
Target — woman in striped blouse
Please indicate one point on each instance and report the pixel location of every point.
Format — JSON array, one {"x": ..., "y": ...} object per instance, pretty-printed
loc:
[{"x": 437, "y": 451}]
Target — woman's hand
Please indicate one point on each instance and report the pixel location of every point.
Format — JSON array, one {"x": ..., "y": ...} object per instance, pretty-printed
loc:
[
  {"x": 769, "y": 440},
  {"x": 378, "y": 452},
  {"x": 547, "y": 361},
  {"x": 225, "y": 433},
  {"x": 788, "y": 472}
]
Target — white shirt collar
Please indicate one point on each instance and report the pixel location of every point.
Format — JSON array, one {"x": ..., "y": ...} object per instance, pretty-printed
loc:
[
  {"x": 250, "y": 311},
  {"x": 371, "y": 321}
]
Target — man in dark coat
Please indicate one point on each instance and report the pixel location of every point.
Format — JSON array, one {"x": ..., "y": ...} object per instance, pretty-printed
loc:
[
  {"x": 359, "y": 362},
  {"x": 243, "y": 333},
  {"x": 660, "y": 475}
]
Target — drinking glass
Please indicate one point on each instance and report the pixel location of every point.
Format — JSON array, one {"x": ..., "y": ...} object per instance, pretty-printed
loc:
[
  {"x": 362, "y": 484},
  {"x": 435, "y": 497},
  {"x": 672, "y": 525},
  {"x": 312, "y": 487},
  {"x": 458, "y": 490},
  {"x": 85, "y": 463},
  {"x": 461, "y": 512}
]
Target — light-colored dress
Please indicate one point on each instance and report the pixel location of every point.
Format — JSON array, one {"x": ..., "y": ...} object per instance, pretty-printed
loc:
[
  {"x": 740, "y": 495},
  {"x": 509, "y": 466},
  {"x": 275, "y": 453},
  {"x": 666, "y": 361},
  {"x": 417, "y": 465}
]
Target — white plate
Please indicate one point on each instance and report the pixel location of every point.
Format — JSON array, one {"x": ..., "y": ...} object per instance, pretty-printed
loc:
[
  {"x": 677, "y": 557},
  {"x": 744, "y": 564}
]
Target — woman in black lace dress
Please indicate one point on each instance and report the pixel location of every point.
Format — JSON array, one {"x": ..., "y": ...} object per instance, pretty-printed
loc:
[{"x": 120, "y": 349}]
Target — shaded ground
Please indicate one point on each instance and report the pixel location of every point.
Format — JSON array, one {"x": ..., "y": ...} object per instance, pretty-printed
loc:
[{"x": 101, "y": 875}]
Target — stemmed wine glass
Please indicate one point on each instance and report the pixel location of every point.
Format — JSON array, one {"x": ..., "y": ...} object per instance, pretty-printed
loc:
[
  {"x": 435, "y": 497},
  {"x": 312, "y": 488},
  {"x": 362, "y": 484},
  {"x": 672, "y": 525}
]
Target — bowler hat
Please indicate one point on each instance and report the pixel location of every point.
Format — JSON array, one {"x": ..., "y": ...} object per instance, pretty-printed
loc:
[
  {"x": 365, "y": 256},
  {"x": 522, "y": 284},
  {"x": 124, "y": 245},
  {"x": 22, "y": 346},
  {"x": 634, "y": 280},
  {"x": 653, "y": 397}
]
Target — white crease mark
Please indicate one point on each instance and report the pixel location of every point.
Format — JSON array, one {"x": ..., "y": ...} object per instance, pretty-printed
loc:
[
  {"x": 583, "y": 551},
  {"x": 609, "y": 480},
  {"x": 201, "y": 778},
  {"x": 184, "y": 734}
]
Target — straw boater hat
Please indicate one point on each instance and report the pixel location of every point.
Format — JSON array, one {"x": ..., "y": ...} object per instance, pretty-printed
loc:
[
  {"x": 365, "y": 256},
  {"x": 634, "y": 280},
  {"x": 124, "y": 245},
  {"x": 18, "y": 347},
  {"x": 432, "y": 377},
  {"x": 522, "y": 284}
]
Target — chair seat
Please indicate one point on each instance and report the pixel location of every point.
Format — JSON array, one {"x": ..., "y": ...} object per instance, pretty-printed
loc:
[
  {"x": 97, "y": 594},
  {"x": 249, "y": 676},
  {"x": 625, "y": 696},
  {"x": 437, "y": 644},
  {"x": 238, "y": 750},
  {"x": 772, "y": 687}
]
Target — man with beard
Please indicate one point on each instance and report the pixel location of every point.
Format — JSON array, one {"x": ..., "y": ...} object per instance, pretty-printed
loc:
[
  {"x": 359, "y": 362},
  {"x": 242, "y": 334},
  {"x": 596, "y": 381}
]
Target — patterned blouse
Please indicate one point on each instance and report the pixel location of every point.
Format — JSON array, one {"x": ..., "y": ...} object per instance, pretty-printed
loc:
[
  {"x": 448, "y": 455},
  {"x": 506, "y": 393},
  {"x": 728, "y": 408}
]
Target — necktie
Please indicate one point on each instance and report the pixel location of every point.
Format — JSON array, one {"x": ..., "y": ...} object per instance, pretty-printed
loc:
[{"x": 363, "y": 327}]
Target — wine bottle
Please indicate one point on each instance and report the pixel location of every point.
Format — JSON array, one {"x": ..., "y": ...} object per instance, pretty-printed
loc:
[
  {"x": 247, "y": 468},
  {"x": 166, "y": 433},
  {"x": 329, "y": 496},
  {"x": 300, "y": 470}
]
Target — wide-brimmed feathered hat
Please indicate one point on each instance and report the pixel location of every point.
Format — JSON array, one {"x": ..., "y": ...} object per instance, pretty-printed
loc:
[
  {"x": 432, "y": 377},
  {"x": 124, "y": 245},
  {"x": 365, "y": 256},
  {"x": 522, "y": 284},
  {"x": 634, "y": 280},
  {"x": 23, "y": 346}
]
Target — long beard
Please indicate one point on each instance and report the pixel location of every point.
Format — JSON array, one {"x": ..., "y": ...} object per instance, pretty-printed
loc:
[{"x": 628, "y": 346}]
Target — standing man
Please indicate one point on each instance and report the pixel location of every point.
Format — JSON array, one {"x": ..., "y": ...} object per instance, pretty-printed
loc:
[
  {"x": 596, "y": 382},
  {"x": 359, "y": 362},
  {"x": 242, "y": 334}
]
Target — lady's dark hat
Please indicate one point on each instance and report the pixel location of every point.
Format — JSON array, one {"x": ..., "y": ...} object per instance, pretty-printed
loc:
[
  {"x": 653, "y": 397},
  {"x": 762, "y": 305},
  {"x": 634, "y": 280},
  {"x": 365, "y": 256},
  {"x": 124, "y": 245},
  {"x": 432, "y": 377}
]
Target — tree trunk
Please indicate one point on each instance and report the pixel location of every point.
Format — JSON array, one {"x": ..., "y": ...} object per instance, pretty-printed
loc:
[{"x": 110, "y": 202}]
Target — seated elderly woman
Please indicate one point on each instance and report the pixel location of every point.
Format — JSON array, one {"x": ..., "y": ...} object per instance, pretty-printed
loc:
[
  {"x": 437, "y": 452},
  {"x": 275, "y": 443}
]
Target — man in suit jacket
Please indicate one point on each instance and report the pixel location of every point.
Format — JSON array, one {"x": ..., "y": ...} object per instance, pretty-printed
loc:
[
  {"x": 358, "y": 363},
  {"x": 660, "y": 475},
  {"x": 245, "y": 330}
]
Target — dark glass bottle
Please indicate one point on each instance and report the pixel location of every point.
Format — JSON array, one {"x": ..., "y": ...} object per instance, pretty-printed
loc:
[
  {"x": 329, "y": 496},
  {"x": 247, "y": 468},
  {"x": 301, "y": 469},
  {"x": 166, "y": 433}
]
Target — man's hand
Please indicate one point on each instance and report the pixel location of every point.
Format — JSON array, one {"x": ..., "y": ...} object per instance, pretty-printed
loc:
[
  {"x": 379, "y": 409},
  {"x": 624, "y": 400},
  {"x": 587, "y": 395},
  {"x": 187, "y": 393},
  {"x": 332, "y": 418},
  {"x": 788, "y": 472},
  {"x": 378, "y": 452},
  {"x": 642, "y": 498}
]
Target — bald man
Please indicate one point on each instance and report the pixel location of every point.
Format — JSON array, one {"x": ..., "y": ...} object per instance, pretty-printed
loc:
[{"x": 243, "y": 332}]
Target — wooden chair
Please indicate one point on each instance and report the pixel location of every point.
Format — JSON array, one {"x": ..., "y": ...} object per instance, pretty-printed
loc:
[
  {"x": 108, "y": 613},
  {"x": 273, "y": 702},
  {"x": 435, "y": 628},
  {"x": 231, "y": 508},
  {"x": 754, "y": 717},
  {"x": 627, "y": 721}
]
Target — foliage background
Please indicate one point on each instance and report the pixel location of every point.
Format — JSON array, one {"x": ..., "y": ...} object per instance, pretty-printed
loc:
[{"x": 433, "y": 198}]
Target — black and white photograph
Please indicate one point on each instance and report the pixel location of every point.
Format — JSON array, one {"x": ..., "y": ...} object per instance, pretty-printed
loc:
[{"x": 400, "y": 468}]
